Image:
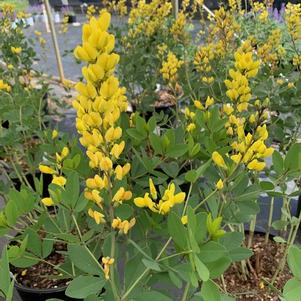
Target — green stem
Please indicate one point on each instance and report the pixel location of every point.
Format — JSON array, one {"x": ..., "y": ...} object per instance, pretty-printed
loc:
[
  {"x": 186, "y": 291},
  {"x": 267, "y": 235},
  {"x": 205, "y": 199},
  {"x": 175, "y": 255}
]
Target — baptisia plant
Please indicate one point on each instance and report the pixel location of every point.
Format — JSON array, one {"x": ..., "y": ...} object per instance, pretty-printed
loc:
[{"x": 148, "y": 231}]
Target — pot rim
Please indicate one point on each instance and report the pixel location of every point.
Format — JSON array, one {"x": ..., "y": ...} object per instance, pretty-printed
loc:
[{"x": 38, "y": 290}]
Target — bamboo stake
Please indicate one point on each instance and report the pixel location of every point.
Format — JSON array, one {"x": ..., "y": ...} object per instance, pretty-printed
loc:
[
  {"x": 175, "y": 8},
  {"x": 55, "y": 42}
]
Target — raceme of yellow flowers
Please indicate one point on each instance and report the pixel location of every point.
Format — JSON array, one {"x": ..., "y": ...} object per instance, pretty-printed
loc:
[
  {"x": 293, "y": 20},
  {"x": 146, "y": 18},
  {"x": 261, "y": 10},
  {"x": 272, "y": 51},
  {"x": 161, "y": 205},
  {"x": 99, "y": 105},
  {"x": 55, "y": 171},
  {"x": 248, "y": 148},
  {"x": 178, "y": 27},
  {"x": 223, "y": 27},
  {"x": 170, "y": 67}
]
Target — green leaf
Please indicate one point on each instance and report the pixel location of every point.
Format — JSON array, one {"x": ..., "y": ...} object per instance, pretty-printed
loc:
[
  {"x": 292, "y": 159},
  {"x": 175, "y": 279},
  {"x": 292, "y": 290},
  {"x": 201, "y": 269},
  {"x": 71, "y": 193},
  {"x": 294, "y": 261},
  {"x": 136, "y": 135},
  {"x": 83, "y": 286},
  {"x": 83, "y": 259},
  {"x": 177, "y": 230},
  {"x": 266, "y": 185},
  {"x": 278, "y": 162},
  {"x": 124, "y": 211},
  {"x": 151, "y": 264},
  {"x": 217, "y": 268},
  {"x": 171, "y": 169},
  {"x": 151, "y": 296},
  {"x": 279, "y": 239},
  {"x": 210, "y": 292},
  {"x": 177, "y": 151},
  {"x": 191, "y": 176},
  {"x": 212, "y": 251},
  {"x": 156, "y": 144},
  {"x": 240, "y": 253},
  {"x": 4, "y": 272}
]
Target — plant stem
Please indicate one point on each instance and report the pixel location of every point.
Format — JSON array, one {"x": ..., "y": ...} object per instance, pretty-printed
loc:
[
  {"x": 267, "y": 235},
  {"x": 186, "y": 291},
  {"x": 175, "y": 255},
  {"x": 205, "y": 199},
  {"x": 251, "y": 231}
]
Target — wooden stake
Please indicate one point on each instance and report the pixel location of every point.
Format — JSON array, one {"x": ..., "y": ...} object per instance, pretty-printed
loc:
[
  {"x": 175, "y": 8},
  {"x": 55, "y": 42}
]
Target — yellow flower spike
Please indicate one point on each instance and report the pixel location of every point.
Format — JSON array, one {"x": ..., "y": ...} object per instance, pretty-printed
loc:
[
  {"x": 184, "y": 219},
  {"x": 179, "y": 198},
  {"x": 46, "y": 169},
  {"x": 106, "y": 164},
  {"x": 60, "y": 181},
  {"x": 47, "y": 202},
  {"x": 256, "y": 165},
  {"x": 218, "y": 160},
  {"x": 65, "y": 152},
  {"x": 220, "y": 184},
  {"x": 97, "y": 216},
  {"x": 54, "y": 134},
  {"x": 152, "y": 189},
  {"x": 117, "y": 149}
]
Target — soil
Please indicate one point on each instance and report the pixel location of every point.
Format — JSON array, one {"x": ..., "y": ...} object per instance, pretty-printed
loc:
[
  {"x": 39, "y": 276},
  {"x": 260, "y": 269}
]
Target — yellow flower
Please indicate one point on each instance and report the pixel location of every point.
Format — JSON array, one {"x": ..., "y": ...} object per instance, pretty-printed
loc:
[
  {"x": 107, "y": 262},
  {"x": 256, "y": 165},
  {"x": 121, "y": 172},
  {"x": 198, "y": 105},
  {"x": 54, "y": 134},
  {"x": 184, "y": 219},
  {"x": 152, "y": 189},
  {"x": 61, "y": 181},
  {"x": 47, "y": 202},
  {"x": 97, "y": 216},
  {"x": 117, "y": 149},
  {"x": 123, "y": 226},
  {"x": 16, "y": 50},
  {"x": 122, "y": 195},
  {"x": 46, "y": 169},
  {"x": 106, "y": 164},
  {"x": 191, "y": 127},
  {"x": 219, "y": 185},
  {"x": 209, "y": 102},
  {"x": 218, "y": 160}
]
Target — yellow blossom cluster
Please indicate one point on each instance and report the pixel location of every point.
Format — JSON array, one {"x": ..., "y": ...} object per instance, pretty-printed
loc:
[
  {"x": 56, "y": 172},
  {"x": 147, "y": 18},
  {"x": 4, "y": 86},
  {"x": 123, "y": 226},
  {"x": 293, "y": 20},
  {"x": 99, "y": 105},
  {"x": 163, "y": 205},
  {"x": 238, "y": 87},
  {"x": 178, "y": 27},
  {"x": 91, "y": 10},
  {"x": 272, "y": 51},
  {"x": 118, "y": 6},
  {"x": 223, "y": 28},
  {"x": 203, "y": 61},
  {"x": 170, "y": 67},
  {"x": 261, "y": 10}
]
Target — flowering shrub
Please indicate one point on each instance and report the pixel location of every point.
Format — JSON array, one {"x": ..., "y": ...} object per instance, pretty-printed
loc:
[{"x": 165, "y": 198}]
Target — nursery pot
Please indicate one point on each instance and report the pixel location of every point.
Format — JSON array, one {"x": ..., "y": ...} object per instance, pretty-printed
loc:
[
  {"x": 71, "y": 18},
  {"x": 31, "y": 294}
]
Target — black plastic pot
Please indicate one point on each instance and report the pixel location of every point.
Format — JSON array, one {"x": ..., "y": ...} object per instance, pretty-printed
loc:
[
  {"x": 32, "y": 294},
  {"x": 71, "y": 18}
]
